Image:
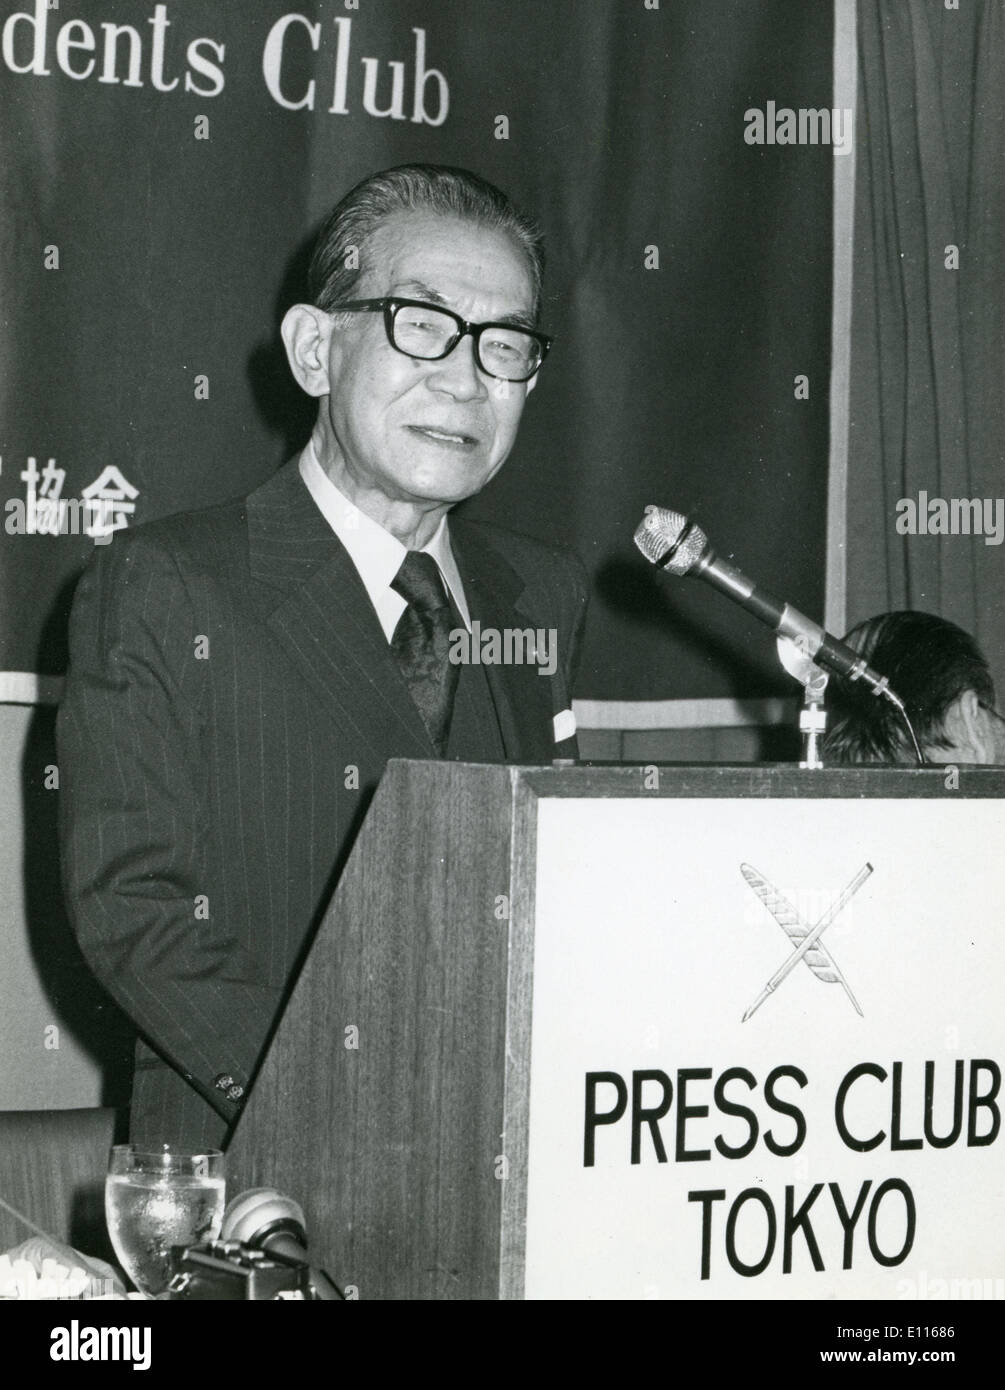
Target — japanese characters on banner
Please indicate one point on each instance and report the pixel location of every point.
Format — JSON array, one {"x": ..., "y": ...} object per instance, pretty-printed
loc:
[
  {"x": 776, "y": 1072},
  {"x": 104, "y": 506}
]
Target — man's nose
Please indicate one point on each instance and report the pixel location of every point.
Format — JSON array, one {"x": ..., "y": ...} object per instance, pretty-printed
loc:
[{"x": 457, "y": 374}]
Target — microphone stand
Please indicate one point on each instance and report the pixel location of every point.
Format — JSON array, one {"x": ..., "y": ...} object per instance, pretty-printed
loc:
[
  {"x": 812, "y": 716},
  {"x": 813, "y": 720}
]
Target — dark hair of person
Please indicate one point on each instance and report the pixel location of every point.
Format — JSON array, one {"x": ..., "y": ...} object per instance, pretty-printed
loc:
[
  {"x": 433, "y": 188},
  {"x": 929, "y": 663}
]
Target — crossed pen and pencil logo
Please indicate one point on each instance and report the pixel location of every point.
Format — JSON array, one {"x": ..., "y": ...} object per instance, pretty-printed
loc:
[{"x": 805, "y": 939}]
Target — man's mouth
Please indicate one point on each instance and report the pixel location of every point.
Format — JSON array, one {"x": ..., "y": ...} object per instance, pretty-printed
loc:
[{"x": 459, "y": 440}]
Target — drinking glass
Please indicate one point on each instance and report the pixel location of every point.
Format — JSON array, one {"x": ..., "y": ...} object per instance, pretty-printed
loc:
[{"x": 156, "y": 1198}]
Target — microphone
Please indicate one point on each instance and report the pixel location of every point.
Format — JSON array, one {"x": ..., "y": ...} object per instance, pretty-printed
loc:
[
  {"x": 265, "y": 1220},
  {"x": 680, "y": 547}
]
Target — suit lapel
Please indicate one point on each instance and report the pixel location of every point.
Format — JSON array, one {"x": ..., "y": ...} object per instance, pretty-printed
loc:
[
  {"x": 316, "y": 605},
  {"x": 522, "y": 697}
]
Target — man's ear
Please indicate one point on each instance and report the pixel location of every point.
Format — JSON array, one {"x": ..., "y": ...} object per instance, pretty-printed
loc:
[
  {"x": 966, "y": 724},
  {"x": 306, "y": 333}
]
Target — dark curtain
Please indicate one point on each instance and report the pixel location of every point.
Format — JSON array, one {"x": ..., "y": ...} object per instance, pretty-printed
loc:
[{"x": 928, "y": 366}]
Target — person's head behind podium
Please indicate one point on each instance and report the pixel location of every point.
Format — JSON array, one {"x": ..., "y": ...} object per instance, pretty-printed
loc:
[{"x": 944, "y": 680}]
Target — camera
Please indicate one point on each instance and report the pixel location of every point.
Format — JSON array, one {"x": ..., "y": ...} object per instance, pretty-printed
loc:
[{"x": 230, "y": 1270}]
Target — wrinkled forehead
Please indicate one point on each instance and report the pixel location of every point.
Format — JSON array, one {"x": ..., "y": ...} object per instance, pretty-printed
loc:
[{"x": 457, "y": 260}]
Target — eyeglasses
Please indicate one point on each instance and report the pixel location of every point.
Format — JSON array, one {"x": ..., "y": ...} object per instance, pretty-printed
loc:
[{"x": 430, "y": 333}]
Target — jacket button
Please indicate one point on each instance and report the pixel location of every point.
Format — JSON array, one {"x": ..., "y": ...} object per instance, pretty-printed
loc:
[
  {"x": 235, "y": 1092},
  {"x": 224, "y": 1081}
]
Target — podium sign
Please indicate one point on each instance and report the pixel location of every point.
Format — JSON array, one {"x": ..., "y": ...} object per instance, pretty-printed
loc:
[{"x": 844, "y": 1140}]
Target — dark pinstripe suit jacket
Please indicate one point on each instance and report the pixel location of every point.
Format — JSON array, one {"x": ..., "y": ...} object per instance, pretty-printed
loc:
[{"x": 227, "y": 673}]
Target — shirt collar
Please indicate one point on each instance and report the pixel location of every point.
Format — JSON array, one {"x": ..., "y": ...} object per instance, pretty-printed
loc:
[{"x": 377, "y": 554}]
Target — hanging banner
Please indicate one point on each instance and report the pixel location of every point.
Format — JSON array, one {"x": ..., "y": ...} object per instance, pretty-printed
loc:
[{"x": 166, "y": 165}]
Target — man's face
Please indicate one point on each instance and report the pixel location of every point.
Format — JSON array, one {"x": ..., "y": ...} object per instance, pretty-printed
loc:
[{"x": 427, "y": 431}]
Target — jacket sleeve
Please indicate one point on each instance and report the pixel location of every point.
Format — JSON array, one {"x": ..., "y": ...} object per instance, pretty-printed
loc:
[{"x": 133, "y": 824}]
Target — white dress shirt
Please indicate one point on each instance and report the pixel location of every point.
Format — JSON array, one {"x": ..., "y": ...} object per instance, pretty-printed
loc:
[{"x": 377, "y": 554}]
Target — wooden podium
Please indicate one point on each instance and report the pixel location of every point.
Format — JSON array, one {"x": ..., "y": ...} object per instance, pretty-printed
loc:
[{"x": 395, "y": 1099}]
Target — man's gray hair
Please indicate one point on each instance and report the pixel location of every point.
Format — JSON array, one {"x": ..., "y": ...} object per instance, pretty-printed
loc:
[{"x": 434, "y": 188}]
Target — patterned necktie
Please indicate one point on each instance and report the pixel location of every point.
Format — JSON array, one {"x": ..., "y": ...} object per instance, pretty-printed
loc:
[{"x": 421, "y": 642}]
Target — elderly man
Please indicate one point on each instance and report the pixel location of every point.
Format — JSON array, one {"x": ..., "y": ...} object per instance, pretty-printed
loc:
[
  {"x": 944, "y": 680},
  {"x": 240, "y": 676}
]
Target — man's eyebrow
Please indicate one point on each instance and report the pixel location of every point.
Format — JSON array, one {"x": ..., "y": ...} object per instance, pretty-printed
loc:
[
  {"x": 421, "y": 291},
  {"x": 522, "y": 318}
]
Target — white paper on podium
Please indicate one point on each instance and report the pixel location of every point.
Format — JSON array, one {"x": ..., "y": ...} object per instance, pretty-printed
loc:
[{"x": 650, "y": 944}]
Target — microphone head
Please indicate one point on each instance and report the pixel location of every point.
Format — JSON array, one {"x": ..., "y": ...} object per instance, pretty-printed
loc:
[
  {"x": 669, "y": 540},
  {"x": 258, "y": 1210}
]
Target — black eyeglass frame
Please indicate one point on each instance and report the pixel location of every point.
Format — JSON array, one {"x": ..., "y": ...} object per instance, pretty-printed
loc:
[{"x": 390, "y": 306}]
